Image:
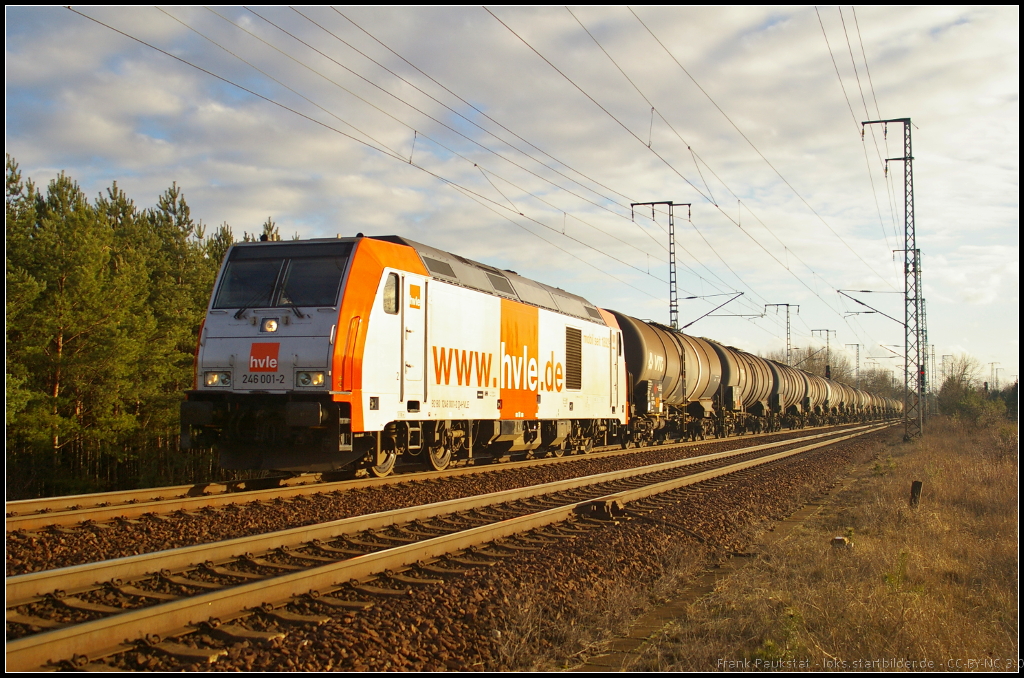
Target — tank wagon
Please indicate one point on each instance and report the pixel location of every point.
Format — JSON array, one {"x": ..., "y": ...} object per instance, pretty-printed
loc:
[{"x": 344, "y": 354}]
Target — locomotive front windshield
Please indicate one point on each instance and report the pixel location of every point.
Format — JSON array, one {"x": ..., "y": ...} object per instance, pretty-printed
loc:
[{"x": 270, "y": 276}]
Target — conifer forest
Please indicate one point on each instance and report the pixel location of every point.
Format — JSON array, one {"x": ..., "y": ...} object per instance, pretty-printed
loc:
[{"x": 104, "y": 300}]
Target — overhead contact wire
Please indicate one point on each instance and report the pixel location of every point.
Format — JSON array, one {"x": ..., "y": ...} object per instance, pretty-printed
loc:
[
  {"x": 874, "y": 139},
  {"x": 735, "y": 222},
  {"x": 387, "y": 152},
  {"x": 768, "y": 162},
  {"x": 455, "y": 112},
  {"x": 481, "y": 112},
  {"x": 878, "y": 116},
  {"x": 349, "y": 136},
  {"x": 370, "y": 35},
  {"x": 561, "y": 249},
  {"x": 596, "y": 103},
  {"x": 670, "y": 126},
  {"x": 427, "y": 115},
  {"x": 426, "y": 136},
  {"x": 270, "y": 77},
  {"x": 432, "y": 140}
]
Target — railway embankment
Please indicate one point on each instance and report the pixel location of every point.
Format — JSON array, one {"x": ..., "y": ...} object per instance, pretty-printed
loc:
[
  {"x": 525, "y": 601},
  {"x": 926, "y": 587}
]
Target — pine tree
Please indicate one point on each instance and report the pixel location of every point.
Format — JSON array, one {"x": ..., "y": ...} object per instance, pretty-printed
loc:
[
  {"x": 104, "y": 304},
  {"x": 80, "y": 340}
]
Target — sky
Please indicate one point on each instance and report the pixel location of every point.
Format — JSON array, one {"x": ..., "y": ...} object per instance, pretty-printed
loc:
[{"x": 519, "y": 137}]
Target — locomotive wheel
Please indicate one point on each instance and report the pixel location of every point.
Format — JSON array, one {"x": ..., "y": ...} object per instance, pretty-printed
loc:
[
  {"x": 628, "y": 443},
  {"x": 385, "y": 468},
  {"x": 439, "y": 458},
  {"x": 557, "y": 451}
]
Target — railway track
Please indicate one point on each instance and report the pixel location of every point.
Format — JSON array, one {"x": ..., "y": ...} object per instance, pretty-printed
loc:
[
  {"x": 38, "y": 514},
  {"x": 64, "y": 615}
]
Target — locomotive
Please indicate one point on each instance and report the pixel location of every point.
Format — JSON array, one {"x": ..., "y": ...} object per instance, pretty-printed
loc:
[{"x": 355, "y": 354}]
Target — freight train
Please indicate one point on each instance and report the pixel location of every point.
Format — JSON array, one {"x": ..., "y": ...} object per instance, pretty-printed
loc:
[{"x": 353, "y": 355}]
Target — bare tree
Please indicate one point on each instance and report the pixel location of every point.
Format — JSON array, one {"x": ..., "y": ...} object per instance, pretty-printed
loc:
[
  {"x": 963, "y": 371},
  {"x": 814, "y": 360}
]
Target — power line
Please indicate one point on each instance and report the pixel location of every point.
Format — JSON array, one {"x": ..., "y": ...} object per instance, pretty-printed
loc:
[
  {"x": 478, "y": 197},
  {"x": 267, "y": 75},
  {"x": 480, "y": 112},
  {"x": 466, "y": 191},
  {"x": 815, "y": 274},
  {"x": 481, "y": 169},
  {"x": 425, "y": 136},
  {"x": 860, "y": 88},
  {"x": 452, "y": 110},
  {"x": 867, "y": 163},
  {"x": 427, "y": 115},
  {"x": 473, "y": 197},
  {"x": 679, "y": 136},
  {"x": 488, "y": 172},
  {"x": 387, "y": 152},
  {"x": 853, "y": 116},
  {"x": 496, "y": 122},
  {"x": 865, "y": 57},
  {"x": 768, "y": 162},
  {"x": 399, "y": 99},
  {"x": 888, "y": 180},
  {"x": 382, "y": 111},
  {"x": 856, "y": 74},
  {"x": 688, "y": 146},
  {"x": 596, "y": 103},
  {"x": 653, "y": 110}
]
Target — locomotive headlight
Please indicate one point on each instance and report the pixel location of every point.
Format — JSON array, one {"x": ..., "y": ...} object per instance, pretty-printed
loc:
[
  {"x": 309, "y": 378},
  {"x": 269, "y": 325},
  {"x": 218, "y": 379}
]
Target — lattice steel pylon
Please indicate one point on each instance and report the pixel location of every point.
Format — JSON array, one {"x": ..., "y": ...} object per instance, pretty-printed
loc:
[
  {"x": 931, "y": 381},
  {"x": 789, "y": 340},
  {"x": 673, "y": 293},
  {"x": 914, "y": 381},
  {"x": 857, "y": 349}
]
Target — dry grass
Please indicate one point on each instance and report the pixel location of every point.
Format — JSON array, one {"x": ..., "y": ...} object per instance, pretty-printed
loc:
[
  {"x": 936, "y": 584},
  {"x": 544, "y": 631}
]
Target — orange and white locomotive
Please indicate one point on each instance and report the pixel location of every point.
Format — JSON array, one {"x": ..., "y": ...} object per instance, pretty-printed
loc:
[
  {"x": 323, "y": 355},
  {"x": 359, "y": 353}
]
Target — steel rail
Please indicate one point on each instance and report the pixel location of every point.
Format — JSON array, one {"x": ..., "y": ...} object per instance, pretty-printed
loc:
[
  {"x": 27, "y": 588},
  {"x": 34, "y": 514},
  {"x": 613, "y": 504},
  {"x": 24, "y": 507},
  {"x": 100, "y": 637}
]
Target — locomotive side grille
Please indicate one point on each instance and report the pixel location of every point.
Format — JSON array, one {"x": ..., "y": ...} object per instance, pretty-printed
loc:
[{"x": 573, "y": 358}]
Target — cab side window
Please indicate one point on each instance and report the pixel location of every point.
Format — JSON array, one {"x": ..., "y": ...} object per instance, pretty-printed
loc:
[{"x": 391, "y": 294}]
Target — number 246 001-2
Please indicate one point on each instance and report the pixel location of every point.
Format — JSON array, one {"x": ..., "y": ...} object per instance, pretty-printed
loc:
[{"x": 262, "y": 378}]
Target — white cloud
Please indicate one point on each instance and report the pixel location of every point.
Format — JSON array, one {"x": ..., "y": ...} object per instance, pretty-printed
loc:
[{"x": 92, "y": 102}]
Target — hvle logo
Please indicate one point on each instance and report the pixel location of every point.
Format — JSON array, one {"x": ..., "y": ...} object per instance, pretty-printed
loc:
[{"x": 263, "y": 357}]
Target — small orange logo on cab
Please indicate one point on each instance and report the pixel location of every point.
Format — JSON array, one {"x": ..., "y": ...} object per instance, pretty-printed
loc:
[{"x": 414, "y": 297}]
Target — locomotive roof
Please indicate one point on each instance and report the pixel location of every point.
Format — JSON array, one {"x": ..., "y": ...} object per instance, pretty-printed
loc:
[{"x": 452, "y": 268}]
